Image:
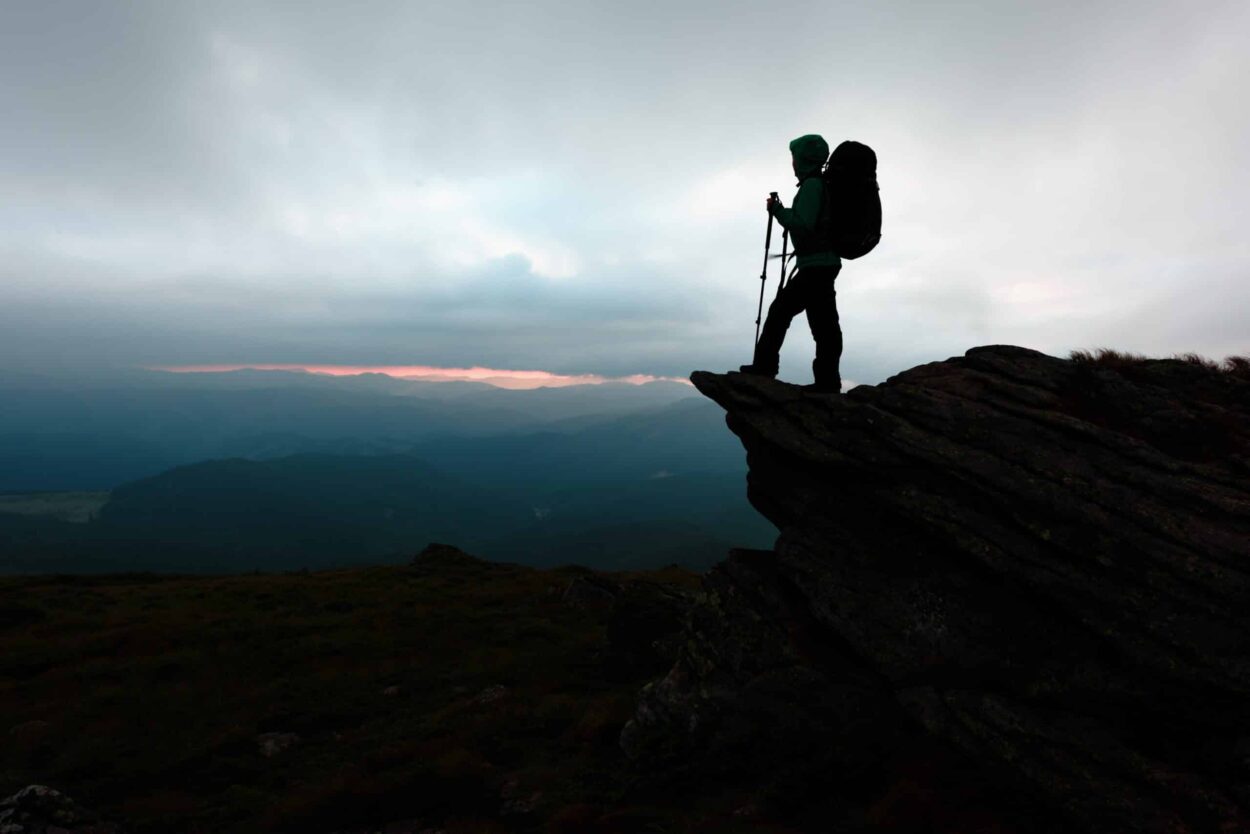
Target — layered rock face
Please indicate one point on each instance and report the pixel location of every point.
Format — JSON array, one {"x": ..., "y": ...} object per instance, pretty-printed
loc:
[{"x": 1044, "y": 564}]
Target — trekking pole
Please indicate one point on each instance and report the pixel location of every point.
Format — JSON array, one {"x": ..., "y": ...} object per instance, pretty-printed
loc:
[
  {"x": 785, "y": 240},
  {"x": 768, "y": 239}
]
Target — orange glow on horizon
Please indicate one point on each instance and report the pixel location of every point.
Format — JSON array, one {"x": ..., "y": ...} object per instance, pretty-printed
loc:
[{"x": 427, "y": 373}]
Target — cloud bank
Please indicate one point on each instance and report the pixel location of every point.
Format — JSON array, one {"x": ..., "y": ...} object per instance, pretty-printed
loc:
[{"x": 580, "y": 189}]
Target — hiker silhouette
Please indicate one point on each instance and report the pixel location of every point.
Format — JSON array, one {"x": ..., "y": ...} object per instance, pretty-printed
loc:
[{"x": 811, "y": 289}]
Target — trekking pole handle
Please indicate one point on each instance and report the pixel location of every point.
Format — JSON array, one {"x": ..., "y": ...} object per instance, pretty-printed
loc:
[
  {"x": 768, "y": 237},
  {"x": 768, "y": 240}
]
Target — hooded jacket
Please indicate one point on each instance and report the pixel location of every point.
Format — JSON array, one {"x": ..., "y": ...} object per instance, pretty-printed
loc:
[{"x": 813, "y": 244}]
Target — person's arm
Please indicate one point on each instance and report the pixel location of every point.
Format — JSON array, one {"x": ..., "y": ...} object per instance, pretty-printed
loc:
[{"x": 806, "y": 210}]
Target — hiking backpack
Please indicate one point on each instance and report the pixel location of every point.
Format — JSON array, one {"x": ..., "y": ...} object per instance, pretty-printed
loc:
[{"x": 854, "y": 208}]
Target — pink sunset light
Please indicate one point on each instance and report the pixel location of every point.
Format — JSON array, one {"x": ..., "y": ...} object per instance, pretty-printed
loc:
[{"x": 426, "y": 373}]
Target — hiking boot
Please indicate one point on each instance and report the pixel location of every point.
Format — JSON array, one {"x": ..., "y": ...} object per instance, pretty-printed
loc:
[
  {"x": 826, "y": 376},
  {"x": 756, "y": 370}
]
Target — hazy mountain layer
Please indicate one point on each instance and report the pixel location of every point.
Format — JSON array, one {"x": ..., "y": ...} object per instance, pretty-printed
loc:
[
  {"x": 263, "y": 469},
  {"x": 97, "y": 433}
]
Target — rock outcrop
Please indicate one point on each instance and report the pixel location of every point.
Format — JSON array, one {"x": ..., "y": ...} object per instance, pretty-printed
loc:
[
  {"x": 38, "y": 809},
  {"x": 1040, "y": 564}
]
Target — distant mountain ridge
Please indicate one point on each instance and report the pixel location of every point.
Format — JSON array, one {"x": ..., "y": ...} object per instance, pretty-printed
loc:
[
  {"x": 268, "y": 478},
  {"x": 125, "y": 426}
]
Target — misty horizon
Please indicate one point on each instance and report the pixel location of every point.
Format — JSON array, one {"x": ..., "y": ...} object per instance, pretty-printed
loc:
[{"x": 497, "y": 377}]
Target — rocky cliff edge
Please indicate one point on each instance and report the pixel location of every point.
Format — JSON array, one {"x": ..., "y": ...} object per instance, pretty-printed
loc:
[{"x": 1041, "y": 565}]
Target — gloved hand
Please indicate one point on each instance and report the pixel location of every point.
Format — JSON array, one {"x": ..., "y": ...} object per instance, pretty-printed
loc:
[{"x": 772, "y": 204}]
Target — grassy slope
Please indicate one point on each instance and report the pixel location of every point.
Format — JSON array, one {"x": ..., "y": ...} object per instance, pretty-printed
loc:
[{"x": 154, "y": 690}]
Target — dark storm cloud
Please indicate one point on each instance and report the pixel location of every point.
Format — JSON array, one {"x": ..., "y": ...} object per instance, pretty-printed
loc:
[{"x": 576, "y": 187}]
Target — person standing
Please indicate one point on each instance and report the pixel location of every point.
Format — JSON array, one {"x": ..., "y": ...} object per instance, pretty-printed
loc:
[{"x": 812, "y": 288}]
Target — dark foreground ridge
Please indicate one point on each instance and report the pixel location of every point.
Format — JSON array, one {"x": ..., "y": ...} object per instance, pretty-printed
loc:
[{"x": 1036, "y": 564}]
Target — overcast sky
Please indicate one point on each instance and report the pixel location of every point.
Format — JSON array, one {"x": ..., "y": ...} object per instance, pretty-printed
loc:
[{"x": 578, "y": 187}]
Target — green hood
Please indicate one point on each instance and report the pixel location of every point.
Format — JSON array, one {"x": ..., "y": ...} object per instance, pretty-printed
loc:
[{"x": 810, "y": 153}]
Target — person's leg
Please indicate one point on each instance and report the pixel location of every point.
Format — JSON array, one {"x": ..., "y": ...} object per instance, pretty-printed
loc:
[
  {"x": 822, "y": 316},
  {"x": 787, "y": 305}
]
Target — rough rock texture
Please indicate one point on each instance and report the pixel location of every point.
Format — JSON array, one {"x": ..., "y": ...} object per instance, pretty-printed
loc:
[
  {"x": 275, "y": 744},
  {"x": 1044, "y": 564},
  {"x": 644, "y": 621},
  {"x": 38, "y": 809}
]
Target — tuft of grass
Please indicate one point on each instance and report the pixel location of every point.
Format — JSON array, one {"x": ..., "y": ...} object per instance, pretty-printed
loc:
[
  {"x": 1106, "y": 357},
  {"x": 1237, "y": 366},
  {"x": 1198, "y": 360}
]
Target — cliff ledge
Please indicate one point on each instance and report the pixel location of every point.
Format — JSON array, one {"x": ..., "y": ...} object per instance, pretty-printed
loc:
[{"x": 1041, "y": 565}]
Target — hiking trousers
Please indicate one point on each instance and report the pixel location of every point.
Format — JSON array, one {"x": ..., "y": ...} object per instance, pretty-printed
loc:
[{"x": 810, "y": 290}]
